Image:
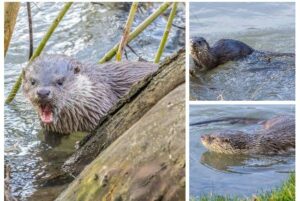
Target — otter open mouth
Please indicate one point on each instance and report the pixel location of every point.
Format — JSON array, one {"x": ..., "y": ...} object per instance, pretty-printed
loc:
[{"x": 46, "y": 113}]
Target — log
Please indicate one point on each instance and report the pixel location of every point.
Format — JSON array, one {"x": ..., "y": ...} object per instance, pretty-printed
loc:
[
  {"x": 142, "y": 97},
  {"x": 146, "y": 163},
  {"x": 11, "y": 10}
]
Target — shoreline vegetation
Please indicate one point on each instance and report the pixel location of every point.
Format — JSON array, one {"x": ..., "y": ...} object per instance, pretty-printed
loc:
[{"x": 285, "y": 192}]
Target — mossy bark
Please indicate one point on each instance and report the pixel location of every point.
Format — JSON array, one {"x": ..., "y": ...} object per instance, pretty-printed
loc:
[
  {"x": 142, "y": 97},
  {"x": 146, "y": 163},
  {"x": 138, "y": 150}
]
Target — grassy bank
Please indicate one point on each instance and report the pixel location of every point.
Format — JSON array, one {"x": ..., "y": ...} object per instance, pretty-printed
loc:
[{"x": 284, "y": 193}]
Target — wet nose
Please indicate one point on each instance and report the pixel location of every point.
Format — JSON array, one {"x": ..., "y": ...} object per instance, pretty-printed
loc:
[{"x": 43, "y": 93}]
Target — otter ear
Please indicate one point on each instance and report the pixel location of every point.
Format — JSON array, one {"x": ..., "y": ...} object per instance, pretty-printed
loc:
[{"x": 76, "y": 69}]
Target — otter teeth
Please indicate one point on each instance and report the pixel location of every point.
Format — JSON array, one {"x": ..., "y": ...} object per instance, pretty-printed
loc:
[{"x": 46, "y": 114}]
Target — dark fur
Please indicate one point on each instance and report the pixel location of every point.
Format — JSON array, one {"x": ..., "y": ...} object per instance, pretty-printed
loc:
[
  {"x": 206, "y": 57},
  {"x": 278, "y": 136}
]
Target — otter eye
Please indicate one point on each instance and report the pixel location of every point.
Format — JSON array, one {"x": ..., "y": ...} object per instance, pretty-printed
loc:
[
  {"x": 60, "y": 82},
  {"x": 32, "y": 81}
]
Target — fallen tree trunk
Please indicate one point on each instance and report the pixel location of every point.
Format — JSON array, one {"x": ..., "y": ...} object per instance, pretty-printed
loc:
[
  {"x": 142, "y": 97},
  {"x": 146, "y": 163}
]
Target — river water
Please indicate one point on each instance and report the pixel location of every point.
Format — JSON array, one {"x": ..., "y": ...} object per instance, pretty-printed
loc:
[
  {"x": 263, "y": 26},
  {"x": 242, "y": 176},
  {"x": 87, "y": 32}
]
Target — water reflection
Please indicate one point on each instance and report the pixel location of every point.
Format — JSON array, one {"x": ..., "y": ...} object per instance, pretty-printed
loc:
[{"x": 240, "y": 175}]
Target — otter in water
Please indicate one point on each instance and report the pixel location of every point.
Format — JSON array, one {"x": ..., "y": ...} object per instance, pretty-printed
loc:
[
  {"x": 71, "y": 96},
  {"x": 224, "y": 50},
  {"x": 278, "y": 136}
]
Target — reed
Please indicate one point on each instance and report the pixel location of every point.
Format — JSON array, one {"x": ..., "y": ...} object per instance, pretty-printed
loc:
[
  {"x": 166, "y": 33},
  {"x": 127, "y": 29}
]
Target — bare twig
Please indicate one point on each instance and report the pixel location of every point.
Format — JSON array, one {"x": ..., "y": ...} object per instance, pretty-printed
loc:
[
  {"x": 136, "y": 54},
  {"x": 30, "y": 29}
]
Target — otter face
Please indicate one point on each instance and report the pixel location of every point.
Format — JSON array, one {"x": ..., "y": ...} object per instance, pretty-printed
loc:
[
  {"x": 200, "y": 52},
  {"x": 227, "y": 142},
  {"x": 46, "y": 81}
]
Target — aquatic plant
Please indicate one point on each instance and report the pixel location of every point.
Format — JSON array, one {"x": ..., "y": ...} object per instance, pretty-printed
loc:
[
  {"x": 166, "y": 33},
  {"x": 112, "y": 52},
  {"x": 126, "y": 32}
]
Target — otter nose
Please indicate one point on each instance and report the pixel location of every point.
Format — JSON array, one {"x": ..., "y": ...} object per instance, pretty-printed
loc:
[{"x": 43, "y": 93}]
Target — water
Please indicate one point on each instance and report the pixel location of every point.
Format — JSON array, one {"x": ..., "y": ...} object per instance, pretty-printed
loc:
[
  {"x": 263, "y": 26},
  {"x": 87, "y": 32},
  {"x": 219, "y": 174}
]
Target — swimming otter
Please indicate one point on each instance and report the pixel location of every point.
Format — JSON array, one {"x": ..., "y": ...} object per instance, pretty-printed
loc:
[
  {"x": 224, "y": 50},
  {"x": 278, "y": 136},
  {"x": 71, "y": 96}
]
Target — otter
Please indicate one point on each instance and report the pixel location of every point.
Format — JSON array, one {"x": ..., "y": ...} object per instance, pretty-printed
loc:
[
  {"x": 224, "y": 50},
  {"x": 277, "y": 136},
  {"x": 71, "y": 96}
]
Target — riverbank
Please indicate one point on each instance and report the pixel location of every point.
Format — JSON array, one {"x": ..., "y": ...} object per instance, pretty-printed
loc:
[{"x": 285, "y": 192}]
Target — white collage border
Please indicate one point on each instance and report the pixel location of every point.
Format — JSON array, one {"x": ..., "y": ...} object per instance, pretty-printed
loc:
[{"x": 296, "y": 102}]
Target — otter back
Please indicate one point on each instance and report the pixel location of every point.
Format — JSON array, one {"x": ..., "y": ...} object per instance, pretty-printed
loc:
[{"x": 278, "y": 136}]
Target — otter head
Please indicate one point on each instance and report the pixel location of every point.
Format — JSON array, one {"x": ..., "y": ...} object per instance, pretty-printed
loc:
[
  {"x": 227, "y": 142},
  {"x": 200, "y": 52},
  {"x": 47, "y": 82}
]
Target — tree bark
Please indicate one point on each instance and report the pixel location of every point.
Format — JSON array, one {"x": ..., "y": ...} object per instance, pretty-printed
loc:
[
  {"x": 146, "y": 163},
  {"x": 11, "y": 10},
  {"x": 142, "y": 97}
]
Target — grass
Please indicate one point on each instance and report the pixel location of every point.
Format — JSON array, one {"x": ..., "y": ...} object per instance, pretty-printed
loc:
[{"x": 284, "y": 193}]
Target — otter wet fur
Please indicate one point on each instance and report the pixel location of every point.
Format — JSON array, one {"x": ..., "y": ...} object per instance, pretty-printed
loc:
[
  {"x": 224, "y": 50},
  {"x": 276, "y": 137},
  {"x": 71, "y": 96}
]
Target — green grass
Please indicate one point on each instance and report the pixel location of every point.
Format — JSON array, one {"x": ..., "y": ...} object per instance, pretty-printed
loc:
[{"x": 284, "y": 193}]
